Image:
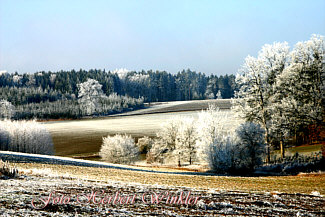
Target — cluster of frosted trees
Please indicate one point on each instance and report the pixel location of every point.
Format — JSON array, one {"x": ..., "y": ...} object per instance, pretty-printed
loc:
[
  {"x": 227, "y": 145},
  {"x": 25, "y": 136},
  {"x": 283, "y": 90}
]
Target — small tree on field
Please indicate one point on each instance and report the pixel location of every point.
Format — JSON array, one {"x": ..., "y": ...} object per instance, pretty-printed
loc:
[
  {"x": 212, "y": 124},
  {"x": 167, "y": 137},
  {"x": 119, "y": 149},
  {"x": 157, "y": 152},
  {"x": 186, "y": 140}
]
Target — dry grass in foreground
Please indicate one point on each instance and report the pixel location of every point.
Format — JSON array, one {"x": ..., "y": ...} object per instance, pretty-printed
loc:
[{"x": 306, "y": 183}]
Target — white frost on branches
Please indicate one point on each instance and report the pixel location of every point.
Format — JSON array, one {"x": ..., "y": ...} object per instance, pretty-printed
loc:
[
  {"x": 283, "y": 91},
  {"x": 122, "y": 72},
  {"x": 119, "y": 149},
  {"x": 7, "y": 110},
  {"x": 25, "y": 136},
  {"x": 90, "y": 92}
]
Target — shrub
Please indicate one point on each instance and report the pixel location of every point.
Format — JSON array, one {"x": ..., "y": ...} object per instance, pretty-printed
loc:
[
  {"x": 25, "y": 136},
  {"x": 221, "y": 154},
  {"x": 144, "y": 144},
  {"x": 251, "y": 146},
  {"x": 292, "y": 165},
  {"x": 7, "y": 171},
  {"x": 158, "y": 153},
  {"x": 119, "y": 149}
]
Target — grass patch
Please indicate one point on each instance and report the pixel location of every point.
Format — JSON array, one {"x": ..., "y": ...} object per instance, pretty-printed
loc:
[
  {"x": 304, "y": 150},
  {"x": 286, "y": 184}
]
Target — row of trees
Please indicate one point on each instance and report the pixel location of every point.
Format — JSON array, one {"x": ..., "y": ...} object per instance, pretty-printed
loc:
[
  {"x": 31, "y": 103},
  {"x": 151, "y": 85},
  {"x": 283, "y": 90}
]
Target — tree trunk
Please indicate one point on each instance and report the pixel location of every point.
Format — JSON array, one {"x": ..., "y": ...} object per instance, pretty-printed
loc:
[
  {"x": 268, "y": 158},
  {"x": 179, "y": 160},
  {"x": 282, "y": 150}
]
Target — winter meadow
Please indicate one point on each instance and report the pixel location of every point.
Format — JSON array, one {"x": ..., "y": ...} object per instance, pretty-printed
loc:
[{"x": 98, "y": 142}]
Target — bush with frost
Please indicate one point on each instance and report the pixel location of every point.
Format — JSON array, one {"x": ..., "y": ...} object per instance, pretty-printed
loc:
[
  {"x": 144, "y": 144},
  {"x": 251, "y": 147},
  {"x": 25, "y": 136},
  {"x": 7, "y": 170},
  {"x": 119, "y": 149},
  {"x": 158, "y": 152}
]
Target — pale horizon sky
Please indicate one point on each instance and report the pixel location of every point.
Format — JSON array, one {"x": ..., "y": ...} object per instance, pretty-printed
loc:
[{"x": 205, "y": 36}]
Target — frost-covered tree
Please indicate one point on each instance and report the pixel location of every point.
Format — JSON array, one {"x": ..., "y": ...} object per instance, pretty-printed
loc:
[
  {"x": 284, "y": 91},
  {"x": 256, "y": 81},
  {"x": 156, "y": 152},
  {"x": 221, "y": 154},
  {"x": 186, "y": 140},
  {"x": 7, "y": 110},
  {"x": 219, "y": 96},
  {"x": 213, "y": 123},
  {"x": 169, "y": 132},
  {"x": 168, "y": 141},
  {"x": 176, "y": 141},
  {"x": 90, "y": 92},
  {"x": 119, "y": 149},
  {"x": 299, "y": 91}
]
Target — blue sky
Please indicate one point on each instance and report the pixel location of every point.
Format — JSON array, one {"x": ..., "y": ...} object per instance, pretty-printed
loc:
[{"x": 206, "y": 36}]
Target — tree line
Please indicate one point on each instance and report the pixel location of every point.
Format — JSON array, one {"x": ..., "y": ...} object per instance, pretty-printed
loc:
[
  {"x": 153, "y": 86},
  {"x": 55, "y": 95}
]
